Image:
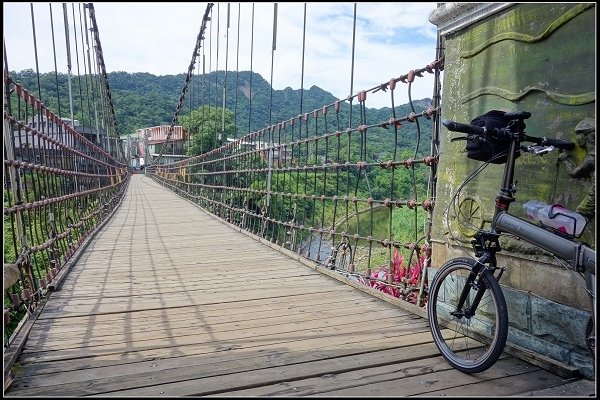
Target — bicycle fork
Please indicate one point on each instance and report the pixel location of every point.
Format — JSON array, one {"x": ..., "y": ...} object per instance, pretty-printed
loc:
[{"x": 474, "y": 281}]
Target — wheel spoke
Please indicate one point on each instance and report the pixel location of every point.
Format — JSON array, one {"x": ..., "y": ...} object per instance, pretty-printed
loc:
[{"x": 475, "y": 340}]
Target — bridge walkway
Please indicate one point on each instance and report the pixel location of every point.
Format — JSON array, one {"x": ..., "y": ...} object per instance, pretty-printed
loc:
[{"x": 169, "y": 301}]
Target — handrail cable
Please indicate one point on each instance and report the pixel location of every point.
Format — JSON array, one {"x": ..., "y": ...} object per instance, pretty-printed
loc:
[
  {"x": 270, "y": 165},
  {"x": 237, "y": 68}
]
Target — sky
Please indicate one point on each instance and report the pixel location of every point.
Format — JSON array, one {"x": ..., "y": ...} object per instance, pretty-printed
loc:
[{"x": 391, "y": 38}]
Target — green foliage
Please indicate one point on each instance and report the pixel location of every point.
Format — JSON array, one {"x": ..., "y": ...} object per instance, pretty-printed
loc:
[
  {"x": 205, "y": 127},
  {"x": 143, "y": 100}
]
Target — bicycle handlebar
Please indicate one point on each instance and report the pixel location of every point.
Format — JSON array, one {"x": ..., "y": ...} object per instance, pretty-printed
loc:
[
  {"x": 505, "y": 134},
  {"x": 464, "y": 128}
]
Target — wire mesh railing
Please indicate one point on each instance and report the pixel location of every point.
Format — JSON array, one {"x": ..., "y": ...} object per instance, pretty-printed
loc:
[
  {"x": 351, "y": 194},
  {"x": 58, "y": 187},
  {"x": 62, "y": 176}
]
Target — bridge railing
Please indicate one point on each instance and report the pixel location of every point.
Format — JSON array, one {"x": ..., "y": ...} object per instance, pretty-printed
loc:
[
  {"x": 58, "y": 188},
  {"x": 351, "y": 194}
]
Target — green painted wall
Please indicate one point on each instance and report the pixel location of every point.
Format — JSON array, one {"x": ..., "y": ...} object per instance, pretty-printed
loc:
[{"x": 533, "y": 57}]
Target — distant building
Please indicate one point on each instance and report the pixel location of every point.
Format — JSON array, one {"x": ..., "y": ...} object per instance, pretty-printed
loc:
[
  {"x": 147, "y": 143},
  {"x": 50, "y": 142},
  {"x": 25, "y": 142},
  {"x": 55, "y": 131},
  {"x": 264, "y": 150}
]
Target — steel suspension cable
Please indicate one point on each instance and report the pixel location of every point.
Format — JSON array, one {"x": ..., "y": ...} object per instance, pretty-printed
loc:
[
  {"x": 302, "y": 72},
  {"x": 225, "y": 77},
  {"x": 50, "y": 186},
  {"x": 68, "y": 47},
  {"x": 251, "y": 71},
  {"x": 239, "y": 199},
  {"x": 55, "y": 64},
  {"x": 217, "y": 134},
  {"x": 351, "y": 96},
  {"x": 36, "y": 188},
  {"x": 191, "y": 108},
  {"x": 270, "y": 166},
  {"x": 99, "y": 103},
  {"x": 189, "y": 76},
  {"x": 90, "y": 83},
  {"x": 237, "y": 67},
  {"x": 83, "y": 124},
  {"x": 59, "y": 182},
  {"x": 104, "y": 80},
  {"x": 250, "y": 97},
  {"x": 87, "y": 83},
  {"x": 37, "y": 65},
  {"x": 204, "y": 97},
  {"x": 223, "y": 193}
]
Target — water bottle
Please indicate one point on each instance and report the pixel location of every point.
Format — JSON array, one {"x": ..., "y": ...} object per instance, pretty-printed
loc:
[{"x": 556, "y": 217}]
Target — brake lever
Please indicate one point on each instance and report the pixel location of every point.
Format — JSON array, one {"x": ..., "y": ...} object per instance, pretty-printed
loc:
[{"x": 539, "y": 149}]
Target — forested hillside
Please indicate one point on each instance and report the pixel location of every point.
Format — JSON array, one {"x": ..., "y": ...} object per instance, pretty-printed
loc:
[{"x": 142, "y": 100}]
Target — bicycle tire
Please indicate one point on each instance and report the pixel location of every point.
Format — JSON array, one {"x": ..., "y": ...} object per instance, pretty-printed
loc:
[
  {"x": 469, "y": 344},
  {"x": 590, "y": 340}
]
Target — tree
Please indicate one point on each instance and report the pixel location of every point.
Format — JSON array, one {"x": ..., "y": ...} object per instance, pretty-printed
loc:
[{"x": 205, "y": 127}]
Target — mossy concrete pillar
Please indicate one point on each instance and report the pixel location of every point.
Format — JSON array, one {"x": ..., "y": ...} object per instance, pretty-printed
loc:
[{"x": 536, "y": 57}]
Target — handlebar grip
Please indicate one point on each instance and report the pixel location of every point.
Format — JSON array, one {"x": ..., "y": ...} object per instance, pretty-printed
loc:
[
  {"x": 464, "y": 128},
  {"x": 558, "y": 143}
]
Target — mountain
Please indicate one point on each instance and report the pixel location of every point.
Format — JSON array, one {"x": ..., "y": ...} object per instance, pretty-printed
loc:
[{"x": 142, "y": 100}]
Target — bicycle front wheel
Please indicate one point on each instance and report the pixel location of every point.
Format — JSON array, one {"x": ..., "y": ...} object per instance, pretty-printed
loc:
[{"x": 471, "y": 340}]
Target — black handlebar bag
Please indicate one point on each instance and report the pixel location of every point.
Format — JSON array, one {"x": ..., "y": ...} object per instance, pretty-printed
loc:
[{"x": 489, "y": 147}]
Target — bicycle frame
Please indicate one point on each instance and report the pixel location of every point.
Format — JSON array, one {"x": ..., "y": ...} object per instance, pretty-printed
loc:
[{"x": 580, "y": 257}]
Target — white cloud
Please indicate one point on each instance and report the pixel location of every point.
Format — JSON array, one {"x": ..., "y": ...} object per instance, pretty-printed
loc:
[{"x": 159, "y": 38}]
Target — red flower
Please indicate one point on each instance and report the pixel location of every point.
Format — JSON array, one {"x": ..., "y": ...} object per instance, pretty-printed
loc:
[
  {"x": 406, "y": 279},
  {"x": 398, "y": 269},
  {"x": 416, "y": 271}
]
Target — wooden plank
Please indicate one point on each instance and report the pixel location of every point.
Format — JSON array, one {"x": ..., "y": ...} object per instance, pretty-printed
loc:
[
  {"x": 199, "y": 326},
  {"x": 355, "y": 342},
  {"x": 180, "y": 300},
  {"x": 204, "y": 379},
  {"x": 302, "y": 301},
  {"x": 218, "y": 340},
  {"x": 446, "y": 380},
  {"x": 169, "y": 284},
  {"x": 425, "y": 368},
  {"x": 510, "y": 385},
  {"x": 212, "y": 313},
  {"x": 568, "y": 388},
  {"x": 93, "y": 328}
]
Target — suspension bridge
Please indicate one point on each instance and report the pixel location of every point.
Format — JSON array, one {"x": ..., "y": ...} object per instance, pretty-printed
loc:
[{"x": 270, "y": 264}]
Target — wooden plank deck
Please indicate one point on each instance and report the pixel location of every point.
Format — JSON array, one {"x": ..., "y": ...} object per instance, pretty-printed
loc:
[{"x": 169, "y": 301}]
